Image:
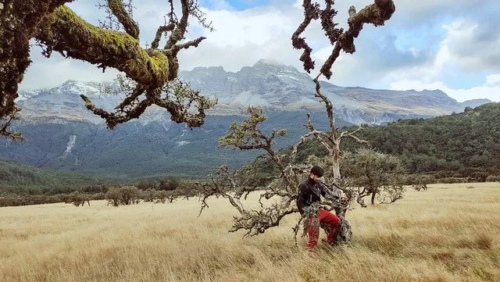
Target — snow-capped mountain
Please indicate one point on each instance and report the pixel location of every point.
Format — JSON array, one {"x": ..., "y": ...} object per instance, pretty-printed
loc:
[
  {"x": 279, "y": 87},
  {"x": 266, "y": 84},
  {"x": 64, "y": 101},
  {"x": 61, "y": 134}
]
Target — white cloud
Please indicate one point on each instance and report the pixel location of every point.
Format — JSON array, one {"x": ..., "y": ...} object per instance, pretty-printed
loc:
[
  {"x": 472, "y": 48},
  {"x": 485, "y": 91},
  {"x": 450, "y": 61},
  {"x": 410, "y": 51},
  {"x": 46, "y": 73},
  {"x": 493, "y": 80}
]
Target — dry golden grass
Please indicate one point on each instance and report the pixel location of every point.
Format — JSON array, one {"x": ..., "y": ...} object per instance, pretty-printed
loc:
[{"x": 448, "y": 233}]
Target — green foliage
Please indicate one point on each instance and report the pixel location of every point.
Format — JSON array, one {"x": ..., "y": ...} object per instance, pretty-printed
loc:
[
  {"x": 22, "y": 179},
  {"x": 248, "y": 135},
  {"x": 465, "y": 145},
  {"x": 376, "y": 174},
  {"x": 125, "y": 195}
]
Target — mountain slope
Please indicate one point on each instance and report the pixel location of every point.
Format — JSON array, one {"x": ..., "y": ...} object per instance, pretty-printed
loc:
[
  {"x": 16, "y": 178},
  {"x": 266, "y": 84},
  {"x": 134, "y": 150},
  {"x": 61, "y": 134}
]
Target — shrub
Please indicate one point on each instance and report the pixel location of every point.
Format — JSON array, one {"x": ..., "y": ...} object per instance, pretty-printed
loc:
[{"x": 493, "y": 178}]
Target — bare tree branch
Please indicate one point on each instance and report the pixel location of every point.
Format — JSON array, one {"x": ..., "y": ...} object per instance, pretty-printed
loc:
[
  {"x": 159, "y": 33},
  {"x": 375, "y": 14}
]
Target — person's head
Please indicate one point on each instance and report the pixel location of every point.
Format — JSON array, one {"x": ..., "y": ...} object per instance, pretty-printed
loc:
[{"x": 316, "y": 173}]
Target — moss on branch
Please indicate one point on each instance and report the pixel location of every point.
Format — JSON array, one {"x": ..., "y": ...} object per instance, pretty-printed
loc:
[{"x": 65, "y": 32}]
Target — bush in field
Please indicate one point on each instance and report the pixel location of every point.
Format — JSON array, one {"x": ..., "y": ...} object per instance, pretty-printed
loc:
[
  {"x": 148, "y": 184},
  {"x": 125, "y": 195},
  {"x": 160, "y": 196},
  {"x": 97, "y": 196},
  {"x": 148, "y": 195},
  {"x": 77, "y": 199},
  {"x": 377, "y": 175},
  {"x": 113, "y": 196},
  {"x": 493, "y": 178},
  {"x": 169, "y": 183},
  {"x": 419, "y": 182},
  {"x": 130, "y": 195}
]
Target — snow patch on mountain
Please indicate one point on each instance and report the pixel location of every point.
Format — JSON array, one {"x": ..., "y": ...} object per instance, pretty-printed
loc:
[
  {"x": 182, "y": 143},
  {"x": 267, "y": 84},
  {"x": 69, "y": 146}
]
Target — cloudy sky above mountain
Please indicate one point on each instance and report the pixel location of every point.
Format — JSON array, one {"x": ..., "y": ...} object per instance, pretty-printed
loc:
[{"x": 450, "y": 45}]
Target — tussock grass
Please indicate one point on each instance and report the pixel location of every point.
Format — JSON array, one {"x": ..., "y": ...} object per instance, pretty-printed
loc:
[{"x": 447, "y": 233}]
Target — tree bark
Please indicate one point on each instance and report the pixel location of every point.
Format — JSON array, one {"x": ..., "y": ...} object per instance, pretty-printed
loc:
[
  {"x": 18, "y": 22},
  {"x": 65, "y": 32},
  {"x": 57, "y": 28}
]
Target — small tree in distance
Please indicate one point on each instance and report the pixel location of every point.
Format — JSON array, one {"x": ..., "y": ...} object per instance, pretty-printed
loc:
[
  {"x": 375, "y": 175},
  {"x": 125, "y": 195}
]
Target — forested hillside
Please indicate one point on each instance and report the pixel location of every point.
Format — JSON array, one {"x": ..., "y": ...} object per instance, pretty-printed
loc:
[
  {"x": 22, "y": 179},
  {"x": 465, "y": 145}
]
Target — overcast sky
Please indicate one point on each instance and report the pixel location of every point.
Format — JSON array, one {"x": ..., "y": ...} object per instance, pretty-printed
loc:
[{"x": 452, "y": 45}]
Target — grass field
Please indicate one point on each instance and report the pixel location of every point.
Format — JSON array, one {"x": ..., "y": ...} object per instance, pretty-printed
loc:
[{"x": 447, "y": 233}]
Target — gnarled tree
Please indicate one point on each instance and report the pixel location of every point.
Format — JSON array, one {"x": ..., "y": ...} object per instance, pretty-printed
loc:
[
  {"x": 281, "y": 186},
  {"x": 151, "y": 70}
]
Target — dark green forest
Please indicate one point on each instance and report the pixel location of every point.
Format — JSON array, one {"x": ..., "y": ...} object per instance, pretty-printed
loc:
[
  {"x": 461, "y": 147},
  {"x": 17, "y": 178},
  {"x": 464, "y": 145}
]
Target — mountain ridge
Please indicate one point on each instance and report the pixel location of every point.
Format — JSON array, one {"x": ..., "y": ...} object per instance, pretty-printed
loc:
[
  {"x": 62, "y": 134},
  {"x": 266, "y": 84}
]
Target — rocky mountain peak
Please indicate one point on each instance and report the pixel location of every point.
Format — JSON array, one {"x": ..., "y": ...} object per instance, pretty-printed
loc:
[
  {"x": 274, "y": 67},
  {"x": 269, "y": 84},
  {"x": 266, "y": 64},
  {"x": 218, "y": 70}
]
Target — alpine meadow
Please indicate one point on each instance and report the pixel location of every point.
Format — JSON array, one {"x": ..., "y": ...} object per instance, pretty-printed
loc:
[{"x": 450, "y": 232}]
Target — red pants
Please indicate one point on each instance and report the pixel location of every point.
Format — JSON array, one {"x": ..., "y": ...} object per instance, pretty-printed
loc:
[{"x": 313, "y": 231}]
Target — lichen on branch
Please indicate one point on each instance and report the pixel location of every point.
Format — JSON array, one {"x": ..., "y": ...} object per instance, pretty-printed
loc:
[
  {"x": 57, "y": 28},
  {"x": 342, "y": 40}
]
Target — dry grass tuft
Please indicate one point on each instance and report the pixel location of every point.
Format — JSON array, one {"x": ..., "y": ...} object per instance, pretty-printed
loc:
[
  {"x": 480, "y": 241},
  {"x": 447, "y": 233}
]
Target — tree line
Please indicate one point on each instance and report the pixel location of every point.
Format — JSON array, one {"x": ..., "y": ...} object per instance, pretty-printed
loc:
[
  {"x": 461, "y": 147},
  {"x": 158, "y": 190}
]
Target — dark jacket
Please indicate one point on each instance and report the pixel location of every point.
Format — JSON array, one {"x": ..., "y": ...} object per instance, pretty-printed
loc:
[{"x": 309, "y": 192}]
